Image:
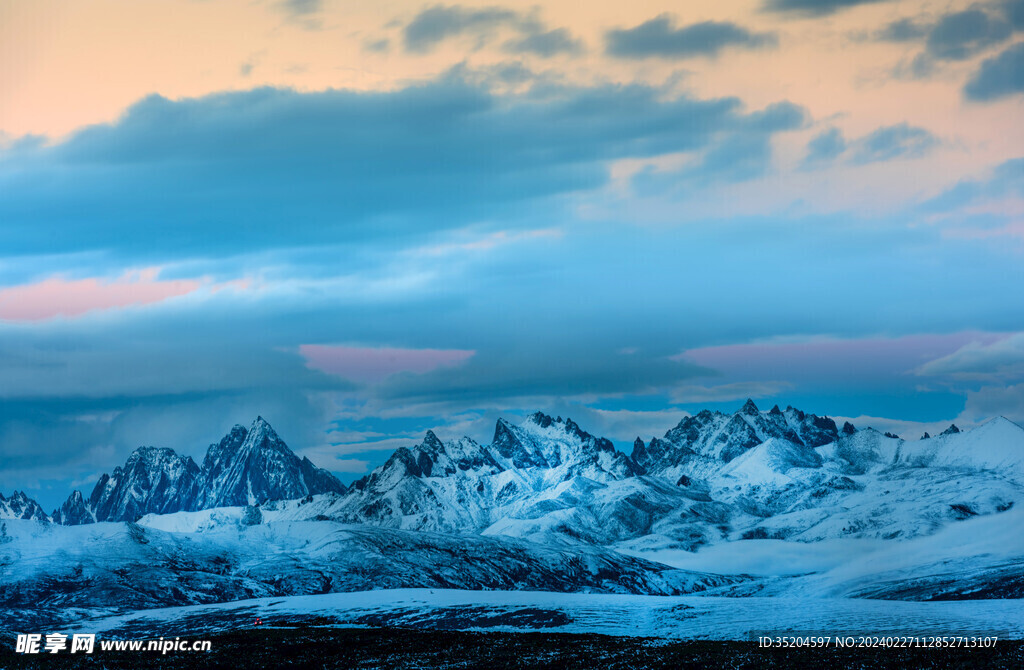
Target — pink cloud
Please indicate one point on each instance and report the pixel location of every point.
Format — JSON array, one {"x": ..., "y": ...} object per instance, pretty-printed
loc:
[
  {"x": 372, "y": 364},
  {"x": 57, "y": 296},
  {"x": 829, "y": 357}
]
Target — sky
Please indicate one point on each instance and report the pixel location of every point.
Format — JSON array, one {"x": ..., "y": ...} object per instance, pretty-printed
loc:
[{"x": 365, "y": 220}]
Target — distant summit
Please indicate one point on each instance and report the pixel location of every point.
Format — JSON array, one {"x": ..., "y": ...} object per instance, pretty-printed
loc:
[
  {"x": 20, "y": 506},
  {"x": 245, "y": 467}
]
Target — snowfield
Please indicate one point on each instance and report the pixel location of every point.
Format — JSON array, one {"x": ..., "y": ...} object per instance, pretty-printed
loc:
[{"x": 677, "y": 617}]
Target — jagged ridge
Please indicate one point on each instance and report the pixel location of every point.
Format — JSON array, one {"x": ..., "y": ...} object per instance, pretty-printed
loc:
[{"x": 245, "y": 467}]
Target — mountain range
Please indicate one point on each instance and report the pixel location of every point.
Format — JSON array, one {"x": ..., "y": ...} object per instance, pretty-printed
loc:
[
  {"x": 748, "y": 503},
  {"x": 714, "y": 477}
]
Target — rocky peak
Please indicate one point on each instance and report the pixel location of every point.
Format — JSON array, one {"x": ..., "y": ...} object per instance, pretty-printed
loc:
[
  {"x": 153, "y": 480},
  {"x": 541, "y": 441},
  {"x": 507, "y": 444},
  {"x": 639, "y": 453},
  {"x": 749, "y": 408},
  {"x": 218, "y": 455},
  {"x": 431, "y": 444},
  {"x": 952, "y": 430},
  {"x": 811, "y": 430},
  {"x": 74, "y": 511},
  {"x": 247, "y": 463},
  {"x": 20, "y": 506},
  {"x": 261, "y": 468},
  {"x": 542, "y": 419},
  {"x": 735, "y": 438}
]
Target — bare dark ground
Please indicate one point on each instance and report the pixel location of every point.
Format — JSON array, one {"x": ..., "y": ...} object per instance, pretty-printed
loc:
[{"x": 312, "y": 648}]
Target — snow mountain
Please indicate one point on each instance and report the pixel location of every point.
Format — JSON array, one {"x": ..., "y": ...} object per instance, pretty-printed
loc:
[
  {"x": 723, "y": 437},
  {"x": 714, "y": 478},
  {"x": 245, "y": 467},
  {"x": 717, "y": 504},
  {"x": 20, "y": 506}
]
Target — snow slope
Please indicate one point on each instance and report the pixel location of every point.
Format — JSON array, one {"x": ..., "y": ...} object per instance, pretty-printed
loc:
[{"x": 221, "y": 555}]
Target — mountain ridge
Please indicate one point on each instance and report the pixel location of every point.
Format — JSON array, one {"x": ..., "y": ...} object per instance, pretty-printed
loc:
[
  {"x": 245, "y": 467},
  {"x": 548, "y": 506},
  {"x": 712, "y": 477}
]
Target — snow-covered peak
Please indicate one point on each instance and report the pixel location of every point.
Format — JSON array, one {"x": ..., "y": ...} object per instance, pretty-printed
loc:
[
  {"x": 997, "y": 444},
  {"x": 156, "y": 460},
  {"x": 509, "y": 446},
  {"x": 769, "y": 463},
  {"x": 262, "y": 431},
  {"x": 258, "y": 467},
  {"x": 434, "y": 458},
  {"x": 20, "y": 506},
  {"x": 74, "y": 512},
  {"x": 431, "y": 443},
  {"x": 724, "y": 437},
  {"x": 152, "y": 480},
  {"x": 246, "y": 466},
  {"x": 540, "y": 441}
]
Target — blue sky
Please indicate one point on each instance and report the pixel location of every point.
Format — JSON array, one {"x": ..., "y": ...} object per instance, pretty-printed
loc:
[{"x": 498, "y": 209}]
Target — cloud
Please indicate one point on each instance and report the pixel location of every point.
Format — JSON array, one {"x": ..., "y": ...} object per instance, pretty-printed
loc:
[
  {"x": 382, "y": 45},
  {"x": 301, "y": 7},
  {"x": 1014, "y": 11},
  {"x": 814, "y": 359},
  {"x": 690, "y": 393},
  {"x": 814, "y": 7},
  {"x": 302, "y": 12},
  {"x": 59, "y": 296},
  {"x": 371, "y": 364},
  {"x": 903, "y": 30},
  {"x": 546, "y": 44},
  {"x": 900, "y": 141},
  {"x": 956, "y": 36},
  {"x": 990, "y": 401},
  {"x": 824, "y": 147},
  {"x": 438, "y": 23},
  {"x": 908, "y": 430},
  {"x": 660, "y": 38},
  {"x": 1005, "y": 180},
  {"x": 960, "y": 35},
  {"x": 743, "y": 156},
  {"x": 561, "y": 366},
  {"x": 217, "y": 175},
  {"x": 625, "y": 425},
  {"x": 435, "y": 24},
  {"x": 998, "y": 77},
  {"x": 990, "y": 361}
]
